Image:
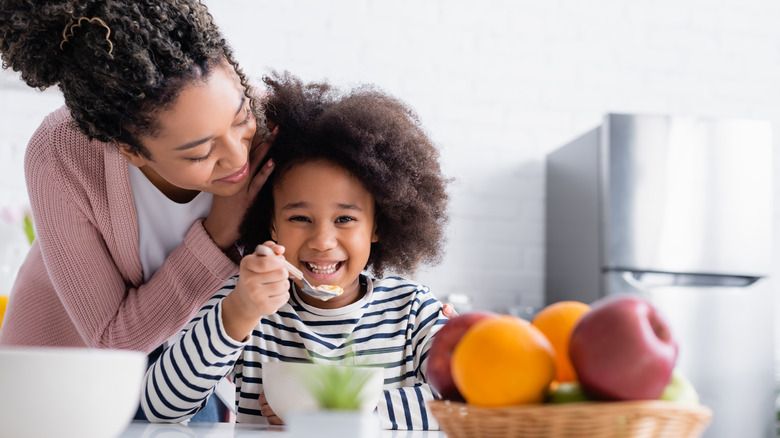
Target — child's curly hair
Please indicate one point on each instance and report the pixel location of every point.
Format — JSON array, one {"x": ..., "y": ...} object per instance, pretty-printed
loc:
[
  {"x": 118, "y": 63},
  {"x": 378, "y": 139}
]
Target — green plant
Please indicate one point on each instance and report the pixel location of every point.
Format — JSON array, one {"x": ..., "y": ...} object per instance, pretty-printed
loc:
[
  {"x": 336, "y": 387},
  {"x": 29, "y": 230}
]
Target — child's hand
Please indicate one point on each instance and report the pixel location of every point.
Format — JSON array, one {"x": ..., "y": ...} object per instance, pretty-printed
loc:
[
  {"x": 267, "y": 412},
  {"x": 449, "y": 311},
  {"x": 263, "y": 287}
]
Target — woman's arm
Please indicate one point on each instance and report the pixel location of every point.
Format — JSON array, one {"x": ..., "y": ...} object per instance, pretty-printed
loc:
[
  {"x": 93, "y": 269},
  {"x": 87, "y": 231}
]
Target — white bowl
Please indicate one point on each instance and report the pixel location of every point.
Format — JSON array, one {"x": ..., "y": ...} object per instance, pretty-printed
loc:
[
  {"x": 285, "y": 387},
  {"x": 59, "y": 392}
]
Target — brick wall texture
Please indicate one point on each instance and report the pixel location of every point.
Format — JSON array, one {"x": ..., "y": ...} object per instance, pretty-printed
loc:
[{"x": 498, "y": 85}]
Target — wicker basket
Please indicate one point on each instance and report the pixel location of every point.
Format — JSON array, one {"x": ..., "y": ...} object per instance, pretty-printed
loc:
[{"x": 588, "y": 419}]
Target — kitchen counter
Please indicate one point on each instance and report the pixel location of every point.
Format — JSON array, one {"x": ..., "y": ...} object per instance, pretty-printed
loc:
[{"x": 142, "y": 429}]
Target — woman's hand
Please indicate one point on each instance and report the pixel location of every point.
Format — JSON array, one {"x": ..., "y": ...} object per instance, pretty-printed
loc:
[
  {"x": 267, "y": 412},
  {"x": 227, "y": 212},
  {"x": 263, "y": 287}
]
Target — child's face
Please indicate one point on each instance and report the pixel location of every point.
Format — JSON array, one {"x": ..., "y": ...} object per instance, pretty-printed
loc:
[{"x": 324, "y": 218}]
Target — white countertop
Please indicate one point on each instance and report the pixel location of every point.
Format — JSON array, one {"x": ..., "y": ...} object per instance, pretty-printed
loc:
[{"x": 142, "y": 429}]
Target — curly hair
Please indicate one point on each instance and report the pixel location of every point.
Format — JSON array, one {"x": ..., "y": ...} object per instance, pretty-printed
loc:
[
  {"x": 115, "y": 83},
  {"x": 379, "y": 140}
]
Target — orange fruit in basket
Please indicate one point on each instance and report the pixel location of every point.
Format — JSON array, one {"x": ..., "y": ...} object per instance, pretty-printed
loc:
[
  {"x": 503, "y": 361},
  {"x": 3, "y": 304},
  {"x": 557, "y": 321}
]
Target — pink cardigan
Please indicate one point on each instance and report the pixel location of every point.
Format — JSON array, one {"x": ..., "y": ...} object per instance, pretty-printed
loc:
[{"x": 81, "y": 283}]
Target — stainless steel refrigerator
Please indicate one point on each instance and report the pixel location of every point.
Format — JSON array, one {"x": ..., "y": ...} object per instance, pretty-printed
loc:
[{"x": 678, "y": 210}]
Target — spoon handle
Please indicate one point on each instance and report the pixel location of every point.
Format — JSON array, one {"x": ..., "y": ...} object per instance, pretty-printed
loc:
[
  {"x": 295, "y": 272},
  {"x": 263, "y": 250}
]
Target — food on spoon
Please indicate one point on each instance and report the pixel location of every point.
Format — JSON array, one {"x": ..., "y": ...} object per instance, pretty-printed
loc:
[{"x": 330, "y": 289}]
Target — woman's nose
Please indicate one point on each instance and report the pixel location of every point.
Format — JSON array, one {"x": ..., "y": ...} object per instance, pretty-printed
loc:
[{"x": 234, "y": 152}]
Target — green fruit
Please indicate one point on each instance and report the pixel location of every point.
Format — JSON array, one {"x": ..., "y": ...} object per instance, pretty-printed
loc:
[
  {"x": 680, "y": 389},
  {"x": 567, "y": 392}
]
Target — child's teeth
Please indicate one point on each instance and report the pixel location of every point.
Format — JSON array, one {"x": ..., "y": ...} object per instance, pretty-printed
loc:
[{"x": 324, "y": 270}]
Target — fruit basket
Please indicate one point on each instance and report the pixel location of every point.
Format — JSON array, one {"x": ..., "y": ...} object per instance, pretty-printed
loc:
[{"x": 628, "y": 419}]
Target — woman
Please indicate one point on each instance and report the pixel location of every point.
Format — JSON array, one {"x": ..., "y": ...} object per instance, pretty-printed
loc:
[{"x": 137, "y": 184}]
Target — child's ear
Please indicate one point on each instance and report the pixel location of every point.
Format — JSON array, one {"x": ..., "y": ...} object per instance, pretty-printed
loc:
[
  {"x": 131, "y": 157},
  {"x": 374, "y": 235},
  {"x": 273, "y": 231}
]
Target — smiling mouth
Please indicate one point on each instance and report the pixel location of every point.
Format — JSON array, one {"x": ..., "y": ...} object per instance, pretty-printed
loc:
[
  {"x": 323, "y": 269},
  {"x": 236, "y": 177}
]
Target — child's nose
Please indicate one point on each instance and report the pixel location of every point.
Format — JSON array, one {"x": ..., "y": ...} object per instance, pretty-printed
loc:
[{"x": 323, "y": 238}]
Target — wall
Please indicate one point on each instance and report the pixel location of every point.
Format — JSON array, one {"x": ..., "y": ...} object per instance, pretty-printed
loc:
[{"x": 498, "y": 84}]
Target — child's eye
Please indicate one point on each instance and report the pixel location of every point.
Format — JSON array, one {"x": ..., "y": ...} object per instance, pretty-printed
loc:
[
  {"x": 299, "y": 219},
  {"x": 344, "y": 219}
]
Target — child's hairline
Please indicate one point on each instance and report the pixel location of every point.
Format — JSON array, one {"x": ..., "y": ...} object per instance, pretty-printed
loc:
[{"x": 281, "y": 173}]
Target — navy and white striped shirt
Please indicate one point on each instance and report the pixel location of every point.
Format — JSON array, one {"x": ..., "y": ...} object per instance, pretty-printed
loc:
[{"x": 392, "y": 326}]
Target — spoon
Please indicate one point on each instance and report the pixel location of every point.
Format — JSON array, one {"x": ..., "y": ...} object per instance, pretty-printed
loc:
[{"x": 323, "y": 292}]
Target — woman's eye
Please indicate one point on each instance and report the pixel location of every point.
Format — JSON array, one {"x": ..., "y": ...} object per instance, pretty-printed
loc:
[
  {"x": 199, "y": 159},
  {"x": 247, "y": 114}
]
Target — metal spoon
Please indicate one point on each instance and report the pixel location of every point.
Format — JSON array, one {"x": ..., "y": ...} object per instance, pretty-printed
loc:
[{"x": 323, "y": 292}]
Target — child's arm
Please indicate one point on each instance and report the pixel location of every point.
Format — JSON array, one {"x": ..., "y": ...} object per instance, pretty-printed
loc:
[
  {"x": 405, "y": 407},
  {"x": 177, "y": 385}
]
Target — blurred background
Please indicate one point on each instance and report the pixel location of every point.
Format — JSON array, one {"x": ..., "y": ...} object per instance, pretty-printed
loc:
[{"x": 497, "y": 85}]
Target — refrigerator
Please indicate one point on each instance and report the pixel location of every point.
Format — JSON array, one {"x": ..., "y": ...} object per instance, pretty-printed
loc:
[{"x": 677, "y": 210}]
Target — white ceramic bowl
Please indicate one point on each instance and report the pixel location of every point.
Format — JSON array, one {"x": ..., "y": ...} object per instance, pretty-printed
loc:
[
  {"x": 59, "y": 392},
  {"x": 286, "y": 389}
]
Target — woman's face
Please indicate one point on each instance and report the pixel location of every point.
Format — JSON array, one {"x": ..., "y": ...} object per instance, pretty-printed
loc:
[
  {"x": 204, "y": 140},
  {"x": 324, "y": 218}
]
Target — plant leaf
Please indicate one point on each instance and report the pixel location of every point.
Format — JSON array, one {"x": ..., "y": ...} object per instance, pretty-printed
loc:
[
  {"x": 29, "y": 230},
  {"x": 336, "y": 387}
]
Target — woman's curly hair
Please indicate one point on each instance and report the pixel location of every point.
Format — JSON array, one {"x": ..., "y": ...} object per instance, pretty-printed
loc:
[
  {"x": 379, "y": 140},
  {"x": 115, "y": 85}
]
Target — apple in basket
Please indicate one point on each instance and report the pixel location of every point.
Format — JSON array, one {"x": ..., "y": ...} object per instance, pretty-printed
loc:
[
  {"x": 439, "y": 372},
  {"x": 680, "y": 389},
  {"x": 623, "y": 349}
]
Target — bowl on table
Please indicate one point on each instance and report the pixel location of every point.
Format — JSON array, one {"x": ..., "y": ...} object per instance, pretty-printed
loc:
[
  {"x": 78, "y": 392},
  {"x": 288, "y": 386}
]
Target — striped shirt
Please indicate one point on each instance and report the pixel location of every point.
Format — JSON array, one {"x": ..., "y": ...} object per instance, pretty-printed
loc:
[{"x": 391, "y": 326}]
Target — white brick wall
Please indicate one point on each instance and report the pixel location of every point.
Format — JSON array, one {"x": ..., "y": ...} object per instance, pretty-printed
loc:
[{"x": 498, "y": 84}]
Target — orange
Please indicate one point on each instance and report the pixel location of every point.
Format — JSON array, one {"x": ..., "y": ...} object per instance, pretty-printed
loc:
[
  {"x": 3, "y": 304},
  {"x": 503, "y": 361},
  {"x": 557, "y": 321}
]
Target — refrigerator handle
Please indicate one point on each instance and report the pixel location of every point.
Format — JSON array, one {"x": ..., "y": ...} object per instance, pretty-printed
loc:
[{"x": 646, "y": 280}]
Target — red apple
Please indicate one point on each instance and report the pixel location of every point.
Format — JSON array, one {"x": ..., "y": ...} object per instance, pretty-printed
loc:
[
  {"x": 623, "y": 350},
  {"x": 439, "y": 373}
]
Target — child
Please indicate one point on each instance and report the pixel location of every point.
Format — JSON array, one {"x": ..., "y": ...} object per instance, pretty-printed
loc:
[{"x": 357, "y": 185}]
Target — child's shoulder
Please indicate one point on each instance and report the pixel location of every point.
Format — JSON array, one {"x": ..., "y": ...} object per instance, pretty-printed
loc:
[
  {"x": 395, "y": 283},
  {"x": 399, "y": 287},
  {"x": 231, "y": 282}
]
